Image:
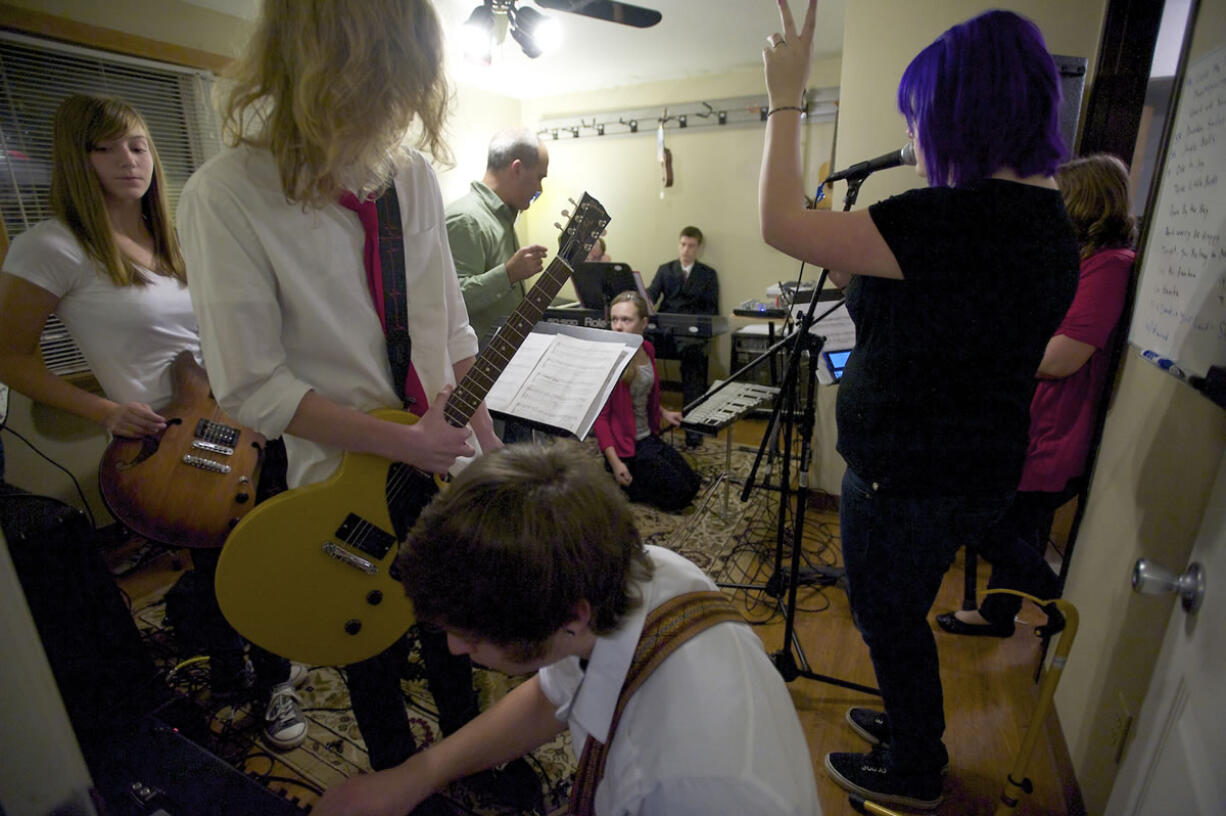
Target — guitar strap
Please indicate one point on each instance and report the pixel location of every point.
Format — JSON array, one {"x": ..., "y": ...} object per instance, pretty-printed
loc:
[
  {"x": 667, "y": 627},
  {"x": 384, "y": 260}
]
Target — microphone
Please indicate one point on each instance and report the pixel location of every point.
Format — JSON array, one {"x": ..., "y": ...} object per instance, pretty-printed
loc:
[{"x": 860, "y": 170}]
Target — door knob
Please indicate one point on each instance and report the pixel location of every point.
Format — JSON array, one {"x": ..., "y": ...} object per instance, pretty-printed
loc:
[{"x": 1150, "y": 578}]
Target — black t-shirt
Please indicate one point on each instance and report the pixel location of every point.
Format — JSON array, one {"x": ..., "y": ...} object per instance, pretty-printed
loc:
[{"x": 935, "y": 397}]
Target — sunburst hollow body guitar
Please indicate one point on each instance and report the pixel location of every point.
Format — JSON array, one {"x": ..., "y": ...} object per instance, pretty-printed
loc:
[
  {"x": 310, "y": 574},
  {"x": 192, "y": 483}
]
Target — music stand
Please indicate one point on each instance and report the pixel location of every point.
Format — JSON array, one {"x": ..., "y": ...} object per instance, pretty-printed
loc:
[
  {"x": 598, "y": 282},
  {"x": 804, "y": 343}
]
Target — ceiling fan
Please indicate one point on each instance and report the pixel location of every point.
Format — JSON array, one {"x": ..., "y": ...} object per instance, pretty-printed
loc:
[
  {"x": 490, "y": 21},
  {"x": 609, "y": 10}
]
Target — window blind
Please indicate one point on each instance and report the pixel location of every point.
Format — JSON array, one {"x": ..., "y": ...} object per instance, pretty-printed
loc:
[{"x": 35, "y": 76}]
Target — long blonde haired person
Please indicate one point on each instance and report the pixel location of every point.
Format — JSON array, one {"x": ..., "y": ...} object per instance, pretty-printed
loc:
[
  {"x": 108, "y": 265},
  {"x": 280, "y": 234}
]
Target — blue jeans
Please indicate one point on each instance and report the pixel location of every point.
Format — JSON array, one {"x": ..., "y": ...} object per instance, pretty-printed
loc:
[{"x": 896, "y": 549}]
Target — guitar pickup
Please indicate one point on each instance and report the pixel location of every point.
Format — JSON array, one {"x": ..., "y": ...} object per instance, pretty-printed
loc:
[
  {"x": 210, "y": 431},
  {"x": 213, "y": 447},
  {"x": 205, "y": 464},
  {"x": 360, "y": 534}
]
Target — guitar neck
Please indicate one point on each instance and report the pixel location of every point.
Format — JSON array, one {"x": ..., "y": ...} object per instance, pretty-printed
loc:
[{"x": 490, "y": 363}]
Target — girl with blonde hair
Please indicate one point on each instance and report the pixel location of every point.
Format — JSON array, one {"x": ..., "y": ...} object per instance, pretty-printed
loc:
[
  {"x": 628, "y": 427},
  {"x": 108, "y": 265},
  {"x": 283, "y": 232}
]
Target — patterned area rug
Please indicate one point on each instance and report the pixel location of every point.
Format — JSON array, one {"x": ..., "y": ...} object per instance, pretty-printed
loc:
[{"x": 719, "y": 533}]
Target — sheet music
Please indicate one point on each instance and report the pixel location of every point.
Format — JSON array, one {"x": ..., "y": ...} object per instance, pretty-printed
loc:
[
  {"x": 837, "y": 327},
  {"x": 559, "y": 380}
]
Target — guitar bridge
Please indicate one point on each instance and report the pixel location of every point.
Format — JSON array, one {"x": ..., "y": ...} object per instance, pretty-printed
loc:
[
  {"x": 213, "y": 447},
  {"x": 205, "y": 464},
  {"x": 346, "y": 557}
]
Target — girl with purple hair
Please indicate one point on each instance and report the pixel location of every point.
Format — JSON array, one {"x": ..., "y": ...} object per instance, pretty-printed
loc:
[{"x": 980, "y": 264}]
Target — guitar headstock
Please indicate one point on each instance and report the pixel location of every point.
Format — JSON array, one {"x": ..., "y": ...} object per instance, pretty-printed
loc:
[{"x": 587, "y": 222}]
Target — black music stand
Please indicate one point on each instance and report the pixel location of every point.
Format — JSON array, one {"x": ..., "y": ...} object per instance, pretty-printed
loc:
[{"x": 790, "y": 660}]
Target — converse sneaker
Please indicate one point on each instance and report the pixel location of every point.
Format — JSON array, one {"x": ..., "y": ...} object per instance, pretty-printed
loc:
[
  {"x": 284, "y": 725},
  {"x": 867, "y": 775},
  {"x": 874, "y": 727},
  {"x": 298, "y": 674}
]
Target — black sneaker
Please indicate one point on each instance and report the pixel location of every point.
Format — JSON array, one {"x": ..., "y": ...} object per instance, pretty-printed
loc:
[
  {"x": 867, "y": 775},
  {"x": 874, "y": 727},
  {"x": 232, "y": 685}
]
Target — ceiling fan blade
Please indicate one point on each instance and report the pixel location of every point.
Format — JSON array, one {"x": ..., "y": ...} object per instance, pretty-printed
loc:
[{"x": 609, "y": 10}]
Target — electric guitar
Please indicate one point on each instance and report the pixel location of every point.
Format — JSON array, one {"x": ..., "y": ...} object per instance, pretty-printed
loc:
[
  {"x": 191, "y": 484},
  {"x": 311, "y": 573}
]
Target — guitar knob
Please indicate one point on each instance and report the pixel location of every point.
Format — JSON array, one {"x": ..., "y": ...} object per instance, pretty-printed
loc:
[
  {"x": 242, "y": 498},
  {"x": 374, "y": 597},
  {"x": 353, "y": 626}
]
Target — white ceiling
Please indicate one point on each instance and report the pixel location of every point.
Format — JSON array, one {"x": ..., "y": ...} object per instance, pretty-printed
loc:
[{"x": 694, "y": 38}]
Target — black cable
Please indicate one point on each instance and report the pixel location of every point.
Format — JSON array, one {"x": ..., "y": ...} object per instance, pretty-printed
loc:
[{"x": 88, "y": 512}]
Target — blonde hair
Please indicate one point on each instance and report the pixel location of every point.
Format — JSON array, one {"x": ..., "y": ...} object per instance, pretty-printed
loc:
[
  {"x": 631, "y": 297},
  {"x": 77, "y": 197},
  {"x": 1095, "y": 191},
  {"x": 331, "y": 87}
]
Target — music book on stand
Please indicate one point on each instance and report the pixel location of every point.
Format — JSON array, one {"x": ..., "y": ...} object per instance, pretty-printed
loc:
[{"x": 561, "y": 376}]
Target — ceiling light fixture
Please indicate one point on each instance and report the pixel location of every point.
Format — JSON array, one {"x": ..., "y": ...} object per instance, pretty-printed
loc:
[{"x": 489, "y": 22}]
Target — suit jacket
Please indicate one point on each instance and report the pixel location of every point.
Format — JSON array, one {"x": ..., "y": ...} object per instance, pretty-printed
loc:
[{"x": 698, "y": 294}]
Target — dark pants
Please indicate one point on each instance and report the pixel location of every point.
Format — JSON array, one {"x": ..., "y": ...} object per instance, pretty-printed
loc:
[
  {"x": 694, "y": 364},
  {"x": 378, "y": 700},
  {"x": 1015, "y": 547},
  {"x": 223, "y": 644},
  {"x": 896, "y": 550},
  {"x": 660, "y": 476}
]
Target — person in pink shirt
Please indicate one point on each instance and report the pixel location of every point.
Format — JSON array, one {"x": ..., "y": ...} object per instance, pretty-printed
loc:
[{"x": 1065, "y": 404}]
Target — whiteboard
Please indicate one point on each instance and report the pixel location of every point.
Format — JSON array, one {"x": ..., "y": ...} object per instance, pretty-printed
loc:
[{"x": 1180, "y": 308}]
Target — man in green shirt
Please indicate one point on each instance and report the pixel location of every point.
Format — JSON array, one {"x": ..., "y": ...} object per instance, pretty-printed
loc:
[{"x": 491, "y": 265}]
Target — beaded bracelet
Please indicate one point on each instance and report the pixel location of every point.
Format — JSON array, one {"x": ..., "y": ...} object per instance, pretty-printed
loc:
[{"x": 773, "y": 111}]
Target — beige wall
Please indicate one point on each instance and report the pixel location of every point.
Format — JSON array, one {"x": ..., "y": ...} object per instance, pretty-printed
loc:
[{"x": 715, "y": 173}]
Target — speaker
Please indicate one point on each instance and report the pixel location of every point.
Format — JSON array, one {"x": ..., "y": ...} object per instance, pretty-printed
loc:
[{"x": 106, "y": 678}]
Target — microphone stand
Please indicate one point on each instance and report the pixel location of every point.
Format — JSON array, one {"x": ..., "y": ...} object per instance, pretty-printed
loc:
[{"x": 790, "y": 660}]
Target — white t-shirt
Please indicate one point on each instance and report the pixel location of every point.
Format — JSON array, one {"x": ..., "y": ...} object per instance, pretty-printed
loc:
[
  {"x": 283, "y": 303},
  {"x": 128, "y": 334},
  {"x": 712, "y": 731}
]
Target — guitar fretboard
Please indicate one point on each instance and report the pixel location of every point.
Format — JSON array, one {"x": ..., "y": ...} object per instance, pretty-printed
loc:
[{"x": 490, "y": 363}]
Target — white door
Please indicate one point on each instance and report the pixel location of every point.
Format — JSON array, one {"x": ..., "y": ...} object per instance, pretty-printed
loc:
[{"x": 1177, "y": 762}]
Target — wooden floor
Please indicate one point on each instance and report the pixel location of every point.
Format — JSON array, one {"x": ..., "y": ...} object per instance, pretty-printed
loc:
[
  {"x": 990, "y": 694},
  {"x": 989, "y": 690}
]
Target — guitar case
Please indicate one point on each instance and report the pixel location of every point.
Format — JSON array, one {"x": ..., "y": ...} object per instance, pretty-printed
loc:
[{"x": 106, "y": 677}]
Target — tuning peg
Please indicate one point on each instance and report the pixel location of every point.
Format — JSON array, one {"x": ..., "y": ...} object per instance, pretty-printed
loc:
[
  {"x": 572, "y": 202},
  {"x": 559, "y": 226},
  {"x": 566, "y": 213}
]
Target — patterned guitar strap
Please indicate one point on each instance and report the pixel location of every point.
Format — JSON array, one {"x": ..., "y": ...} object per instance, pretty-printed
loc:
[
  {"x": 667, "y": 627},
  {"x": 384, "y": 260}
]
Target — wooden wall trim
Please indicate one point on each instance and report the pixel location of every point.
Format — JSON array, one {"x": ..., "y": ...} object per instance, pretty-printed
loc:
[{"x": 107, "y": 39}]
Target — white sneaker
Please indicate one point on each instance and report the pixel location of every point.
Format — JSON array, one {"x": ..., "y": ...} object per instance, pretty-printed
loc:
[
  {"x": 298, "y": 674},
  {"x": 284, "y": 725}
]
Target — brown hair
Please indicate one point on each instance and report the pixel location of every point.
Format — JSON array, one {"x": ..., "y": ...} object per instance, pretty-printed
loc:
[
  {"x": 331, "y": 88},
  {"x": 691, "y": 232},
  {"x": 77, "y": 198},
  {"x": 1095, "y": 190},
  {"x": 520, "y": 537}
]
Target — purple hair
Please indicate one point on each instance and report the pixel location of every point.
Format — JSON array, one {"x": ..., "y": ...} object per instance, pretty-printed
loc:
[{"x": 985, "y": 95}]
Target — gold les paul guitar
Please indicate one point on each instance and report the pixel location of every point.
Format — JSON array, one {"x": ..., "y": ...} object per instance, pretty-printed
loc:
[
  {"x": 189, "y": 485},
  {"x": 310, "y": 574}
]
